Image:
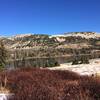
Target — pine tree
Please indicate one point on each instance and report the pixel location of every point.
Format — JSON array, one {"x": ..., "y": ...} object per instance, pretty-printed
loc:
[{"x": 3, "y": 55}]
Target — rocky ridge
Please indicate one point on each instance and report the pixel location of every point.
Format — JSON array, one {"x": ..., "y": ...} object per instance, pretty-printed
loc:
[{"x": 31, "y": 40}]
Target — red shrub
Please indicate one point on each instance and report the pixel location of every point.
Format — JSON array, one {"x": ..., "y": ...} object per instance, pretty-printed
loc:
[{"x": 43, "y": 84}]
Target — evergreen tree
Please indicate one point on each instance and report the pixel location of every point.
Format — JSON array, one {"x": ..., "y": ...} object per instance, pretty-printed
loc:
[{"x": 3, "y": 55}]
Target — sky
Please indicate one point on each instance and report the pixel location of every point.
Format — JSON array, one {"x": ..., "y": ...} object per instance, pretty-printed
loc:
[{"x": 48, "y": 16}]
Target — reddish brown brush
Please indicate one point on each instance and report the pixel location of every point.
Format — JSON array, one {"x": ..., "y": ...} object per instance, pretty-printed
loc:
[{"x": 43, "y": 84}]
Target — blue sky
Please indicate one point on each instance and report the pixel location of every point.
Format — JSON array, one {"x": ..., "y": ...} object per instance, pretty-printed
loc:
[{"x": 48, "y": 16}]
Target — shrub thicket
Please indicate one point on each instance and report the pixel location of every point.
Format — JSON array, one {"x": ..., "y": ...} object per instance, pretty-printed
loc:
[
  {"x": 83, "y": 59},
  {"x": 43, "y": 84}
]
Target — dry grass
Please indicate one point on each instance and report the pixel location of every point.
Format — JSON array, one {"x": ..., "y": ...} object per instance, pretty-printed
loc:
[{"x": 4, "y": 90}]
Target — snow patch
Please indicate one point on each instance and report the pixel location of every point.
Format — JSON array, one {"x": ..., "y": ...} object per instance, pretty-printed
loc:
[
  {"x": 82, "y": 69},
  {"x": 4, "y": 96}
]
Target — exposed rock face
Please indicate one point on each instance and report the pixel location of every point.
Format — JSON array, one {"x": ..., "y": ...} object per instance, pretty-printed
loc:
[
  {"x": 22, "y": 35},
  {"x": 86, "y": 35}
]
